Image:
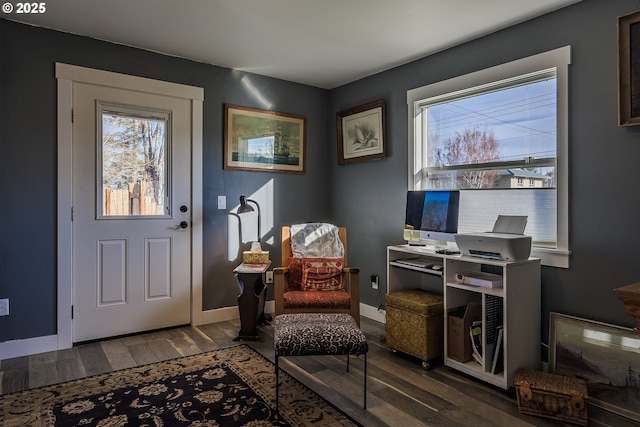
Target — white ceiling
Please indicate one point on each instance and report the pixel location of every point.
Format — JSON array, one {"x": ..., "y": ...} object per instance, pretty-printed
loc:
[{"x": 323, "y": 43}]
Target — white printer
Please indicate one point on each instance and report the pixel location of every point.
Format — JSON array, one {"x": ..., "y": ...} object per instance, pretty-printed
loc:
[{"x": 506, "y": 241}]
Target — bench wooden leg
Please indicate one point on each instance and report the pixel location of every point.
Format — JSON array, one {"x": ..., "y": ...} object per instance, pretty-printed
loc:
[{"x": 277, "y": 383}]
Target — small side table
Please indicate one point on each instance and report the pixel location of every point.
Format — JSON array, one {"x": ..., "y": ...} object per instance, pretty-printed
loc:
[
  {"x": 630, "y": 297},
  {"x": 252, "y": 298}
]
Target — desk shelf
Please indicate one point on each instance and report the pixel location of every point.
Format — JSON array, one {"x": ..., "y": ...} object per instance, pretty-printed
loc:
[
  {"x": 416, "y": 268},
  {"x": 499, "y": 292},
  {"x": 517, "y": 302}
]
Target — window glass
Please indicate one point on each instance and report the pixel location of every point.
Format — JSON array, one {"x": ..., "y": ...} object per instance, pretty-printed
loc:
[
  {"x": 493, "y": 136},
  {"x": 132, "y": 163},
  {"x": 498, "y": 135}
]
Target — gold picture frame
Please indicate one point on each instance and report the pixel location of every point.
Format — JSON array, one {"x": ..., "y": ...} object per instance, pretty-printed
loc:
[
  {"x": 263, "y": 140},
  {"x": 629, "y": 69},
  {"x": 361, "y": 133}
]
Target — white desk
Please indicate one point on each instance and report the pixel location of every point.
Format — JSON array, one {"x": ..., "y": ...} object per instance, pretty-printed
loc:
[{"x": 519, "y": 297}]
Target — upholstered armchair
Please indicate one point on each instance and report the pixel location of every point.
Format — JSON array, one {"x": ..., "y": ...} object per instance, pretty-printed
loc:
[{"x": 314, "y": 277}]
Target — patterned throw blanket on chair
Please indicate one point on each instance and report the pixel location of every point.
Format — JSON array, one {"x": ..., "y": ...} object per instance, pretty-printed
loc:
[{"x": 316, "y": 240}]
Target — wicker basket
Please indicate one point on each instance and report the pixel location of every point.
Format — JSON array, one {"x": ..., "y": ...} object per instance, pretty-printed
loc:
[
  {"x": 552, "y": 396},
  {"x": 415, "y": 323}
]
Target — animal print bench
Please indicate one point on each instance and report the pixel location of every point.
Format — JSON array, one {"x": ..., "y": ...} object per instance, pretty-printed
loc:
[{"x": 308, "y": 334}]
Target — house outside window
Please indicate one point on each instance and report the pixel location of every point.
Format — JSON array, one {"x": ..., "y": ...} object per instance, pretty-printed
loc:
[{"x": 487, "y": 134}]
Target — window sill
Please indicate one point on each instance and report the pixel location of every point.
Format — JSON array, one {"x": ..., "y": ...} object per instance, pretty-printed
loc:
[{"x": 551, "y": 257}]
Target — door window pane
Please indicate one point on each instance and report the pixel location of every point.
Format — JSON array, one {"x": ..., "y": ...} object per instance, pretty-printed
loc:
[{"x": 133, "y": 155}]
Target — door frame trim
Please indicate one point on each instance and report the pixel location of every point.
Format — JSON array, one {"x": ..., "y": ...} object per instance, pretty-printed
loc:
[{"x": 66, "y": 76}]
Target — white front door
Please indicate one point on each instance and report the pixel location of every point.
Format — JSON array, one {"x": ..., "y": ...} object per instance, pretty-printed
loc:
[{"x": 131, "y": 211}]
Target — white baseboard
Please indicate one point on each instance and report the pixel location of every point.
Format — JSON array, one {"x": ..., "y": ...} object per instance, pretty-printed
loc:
[
  {"x": 28, "y": 346},
  {"x": 220, "y": 315},
  {"x": 228, "y": 313},
  {"x": 270, "y": 307},
  {"x": 370, "y": 312},
  {"x": 231, "y": 313}
]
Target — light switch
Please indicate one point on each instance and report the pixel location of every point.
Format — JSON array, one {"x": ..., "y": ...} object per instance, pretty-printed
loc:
[{"x": 222, "y": 202}]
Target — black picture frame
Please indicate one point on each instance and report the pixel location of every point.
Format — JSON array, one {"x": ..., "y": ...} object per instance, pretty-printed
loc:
[{"x": 361, "y": 134}]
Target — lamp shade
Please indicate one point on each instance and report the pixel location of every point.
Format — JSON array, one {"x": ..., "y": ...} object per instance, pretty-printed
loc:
[{"x": 244, "y": 206}]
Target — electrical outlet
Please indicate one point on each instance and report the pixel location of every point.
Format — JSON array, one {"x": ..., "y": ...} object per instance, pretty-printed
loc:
[
  {"x": 374, "y": 281},
  {"x": 269, "y": 276},
  {"x": 4, "y": 307}
]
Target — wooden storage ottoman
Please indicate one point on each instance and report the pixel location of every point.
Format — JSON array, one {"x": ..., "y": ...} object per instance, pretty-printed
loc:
[
  {"x": 415, "y": 323},
  {"x": 552, "y": 396}
]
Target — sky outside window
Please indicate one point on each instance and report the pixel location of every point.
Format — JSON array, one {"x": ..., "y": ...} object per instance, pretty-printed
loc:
[{"x": 522, "y": 118}]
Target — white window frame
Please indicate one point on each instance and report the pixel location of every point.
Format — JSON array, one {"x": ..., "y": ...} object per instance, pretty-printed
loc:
[{"x": 560, "y": 59}]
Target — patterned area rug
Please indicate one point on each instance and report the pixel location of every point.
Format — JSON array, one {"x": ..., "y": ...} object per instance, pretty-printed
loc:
[{"x": 229, "y": 387}]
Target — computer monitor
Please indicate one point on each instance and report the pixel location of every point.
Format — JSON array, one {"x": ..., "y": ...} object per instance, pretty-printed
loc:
[{"x": 431, "y": 217}]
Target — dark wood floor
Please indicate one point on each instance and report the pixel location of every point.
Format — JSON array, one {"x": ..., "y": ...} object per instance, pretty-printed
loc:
[{"x": 400, "y": 392}]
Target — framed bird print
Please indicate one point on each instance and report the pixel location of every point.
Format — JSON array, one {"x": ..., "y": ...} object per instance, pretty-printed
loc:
[{"x": 361, "y": 135}]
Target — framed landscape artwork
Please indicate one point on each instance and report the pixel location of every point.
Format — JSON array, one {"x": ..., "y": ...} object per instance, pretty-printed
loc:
[
  {"x": 361, "y": 135},
  {"x": 263, "y": 140},
  {"x": 629, "y": 69},
  {"x": 606, "y": 356}
]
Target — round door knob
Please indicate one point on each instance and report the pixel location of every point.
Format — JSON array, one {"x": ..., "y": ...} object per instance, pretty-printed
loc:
[{"x": 184, "y": 224}]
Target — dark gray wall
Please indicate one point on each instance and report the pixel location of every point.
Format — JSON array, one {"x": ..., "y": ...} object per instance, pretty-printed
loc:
[
  {"x": 368, "y": 197},
  {"x": 604, "y": 200},
  {"x": 28, "y": 163}
]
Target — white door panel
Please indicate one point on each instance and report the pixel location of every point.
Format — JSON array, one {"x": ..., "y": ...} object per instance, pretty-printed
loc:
[{"x": 130, "y": 272}]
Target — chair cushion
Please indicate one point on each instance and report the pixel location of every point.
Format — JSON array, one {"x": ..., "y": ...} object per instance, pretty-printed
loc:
[
  {"x": 322, "y": 274},
  {"x": 295, "y": 273},
  {"x": 316, "y": 240},
  {"x": 317, "y": 299},
  {"x": 317, "y": 333}
]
